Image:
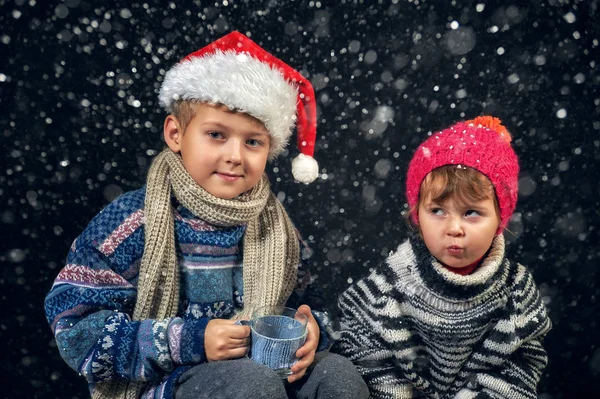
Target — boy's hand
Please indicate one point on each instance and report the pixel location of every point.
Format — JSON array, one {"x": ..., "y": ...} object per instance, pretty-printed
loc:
[
  {"x": 306, "y": 354},
  {"x": 225, "y": 340}
]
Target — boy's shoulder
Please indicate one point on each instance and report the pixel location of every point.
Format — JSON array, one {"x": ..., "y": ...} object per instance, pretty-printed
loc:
[
  {"x": 127, "y": 203},
  {"x": 127, "y": 209}
]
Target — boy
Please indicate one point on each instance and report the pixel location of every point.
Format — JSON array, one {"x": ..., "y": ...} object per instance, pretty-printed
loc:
[
  {"x": 147, "y": 302},
  {"x": 448, "y": 315}
]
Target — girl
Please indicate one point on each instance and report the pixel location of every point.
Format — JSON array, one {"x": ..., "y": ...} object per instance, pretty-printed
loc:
[{"x": 448, "y": 315}]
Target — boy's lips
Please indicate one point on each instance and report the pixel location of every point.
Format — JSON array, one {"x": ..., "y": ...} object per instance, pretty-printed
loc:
[{"x": 228, "y": 176}]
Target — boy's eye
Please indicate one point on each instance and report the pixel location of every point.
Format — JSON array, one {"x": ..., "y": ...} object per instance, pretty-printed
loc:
[
  {"x": 254, "y": 143},
  {"x": 215, "y": 135},
  {"x": 472, "y": 213}
]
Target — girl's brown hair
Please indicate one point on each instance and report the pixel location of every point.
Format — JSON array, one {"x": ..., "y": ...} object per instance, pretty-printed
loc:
[{"x": 461, "y": 183}]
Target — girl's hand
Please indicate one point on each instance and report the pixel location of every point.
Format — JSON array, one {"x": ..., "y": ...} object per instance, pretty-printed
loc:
[
  {"x": 306, "y": 354},
  {"x": 225, "y": 340}
]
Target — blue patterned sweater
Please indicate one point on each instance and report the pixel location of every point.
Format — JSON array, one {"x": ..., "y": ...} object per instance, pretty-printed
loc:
[{"x": 90, "y": 304}]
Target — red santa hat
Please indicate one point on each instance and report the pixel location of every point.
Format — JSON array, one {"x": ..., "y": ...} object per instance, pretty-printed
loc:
[{"x": 236, "y": 72}]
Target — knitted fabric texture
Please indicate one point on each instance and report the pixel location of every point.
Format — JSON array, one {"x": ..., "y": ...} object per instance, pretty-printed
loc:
[
  {"x": 482, "y": 144},
  {"x": 271, "y": 250},
  {"x": 91, "y": 303},
  {"x": 411, "y": 324}
]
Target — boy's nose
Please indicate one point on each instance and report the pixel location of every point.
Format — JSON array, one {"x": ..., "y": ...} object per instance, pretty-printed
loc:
[{"x": 234, "y": 153}]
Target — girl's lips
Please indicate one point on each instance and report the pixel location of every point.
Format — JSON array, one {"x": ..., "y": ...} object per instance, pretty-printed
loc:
[{"x": 454, "y": 250}]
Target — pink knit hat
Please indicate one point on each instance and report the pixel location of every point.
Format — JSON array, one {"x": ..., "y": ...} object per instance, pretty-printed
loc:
[{"x": 482, "y": 144}]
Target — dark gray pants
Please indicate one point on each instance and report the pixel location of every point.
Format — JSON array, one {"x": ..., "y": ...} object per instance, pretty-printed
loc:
[{"x": 331, "y": 376}]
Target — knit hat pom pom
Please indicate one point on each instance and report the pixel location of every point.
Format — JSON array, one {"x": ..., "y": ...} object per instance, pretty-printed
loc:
[
  {"x": 305, "y": 169},
  {"x": 492, "y": 123}
]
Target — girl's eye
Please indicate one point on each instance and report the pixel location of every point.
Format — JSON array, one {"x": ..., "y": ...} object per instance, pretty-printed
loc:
[
  {"x": 472, "y": 213},
  {"x": 215, "y": 135},
  {"x": 437, "y": 211},
  {"x": 254, "y": 143}
]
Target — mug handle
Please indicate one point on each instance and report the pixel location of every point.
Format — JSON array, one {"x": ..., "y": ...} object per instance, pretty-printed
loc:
[{"x": 243, "y": 323}]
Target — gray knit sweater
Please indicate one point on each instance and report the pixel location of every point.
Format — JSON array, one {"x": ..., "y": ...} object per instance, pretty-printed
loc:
[{"x": 415, "y": 329}]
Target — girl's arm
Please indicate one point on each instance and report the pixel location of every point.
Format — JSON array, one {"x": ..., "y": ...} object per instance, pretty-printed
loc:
[
  {"x": 517, "y": 378},
  {"x": 372, "y": 335},
  {"x": 510, "y": 361}
]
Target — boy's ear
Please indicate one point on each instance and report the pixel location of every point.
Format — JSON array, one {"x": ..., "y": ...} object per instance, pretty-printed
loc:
[{"x": 172, "y": 133}]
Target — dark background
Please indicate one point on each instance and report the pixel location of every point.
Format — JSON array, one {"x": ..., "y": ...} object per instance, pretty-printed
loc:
[{"x": 80, "y": 123}]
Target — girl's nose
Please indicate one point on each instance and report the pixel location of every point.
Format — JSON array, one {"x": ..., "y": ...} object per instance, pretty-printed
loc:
[{"x": 455, "y": 226}]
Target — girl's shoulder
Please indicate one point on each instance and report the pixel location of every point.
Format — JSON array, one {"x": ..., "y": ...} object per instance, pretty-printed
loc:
[
  {"x": 520, "y": 278},
  {"x": 398, "y": 265},
  {"x": 407, "y": 255}
]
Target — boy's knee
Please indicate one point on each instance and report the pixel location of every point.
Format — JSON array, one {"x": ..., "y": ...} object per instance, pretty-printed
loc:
[
  {"x": 240, "y": 378},
  {"x": 333, "y": 361},
  {"x": 258, "y": 381},
  {"x": 340, "y": 376}
]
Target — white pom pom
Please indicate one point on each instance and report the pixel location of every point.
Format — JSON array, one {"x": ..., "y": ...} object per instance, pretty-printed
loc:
[{"x": 305, "y": 169}]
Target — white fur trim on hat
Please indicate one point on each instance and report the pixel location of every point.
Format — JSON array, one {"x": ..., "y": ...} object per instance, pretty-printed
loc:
[
  {"x": 305, "y": 169},
  {"x": 240, "y": 82}
]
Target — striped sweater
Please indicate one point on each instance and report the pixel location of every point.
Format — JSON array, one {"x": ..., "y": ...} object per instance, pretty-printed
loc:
[
  {"x": 90, "y": 304},
  {"x": 414, "y": 328}
]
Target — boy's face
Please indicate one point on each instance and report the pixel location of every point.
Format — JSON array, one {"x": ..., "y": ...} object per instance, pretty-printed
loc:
[
  {"x": 225, "y": 152},
  {"x": 458, "y": 233}
]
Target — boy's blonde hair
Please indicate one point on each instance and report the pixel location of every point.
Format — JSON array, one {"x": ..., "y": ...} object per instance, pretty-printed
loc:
[{"x": 185, "y": 111}]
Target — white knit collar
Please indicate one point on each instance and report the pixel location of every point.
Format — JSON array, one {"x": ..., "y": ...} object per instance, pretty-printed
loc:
[
  {"x": 489, "y": 265},
  {"x": 419, "y": 273}
]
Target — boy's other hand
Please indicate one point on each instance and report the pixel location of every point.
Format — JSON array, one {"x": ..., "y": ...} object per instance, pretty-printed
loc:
[
  {"x": 225, "y": 340},
  {"x": 306, "y": 354}
]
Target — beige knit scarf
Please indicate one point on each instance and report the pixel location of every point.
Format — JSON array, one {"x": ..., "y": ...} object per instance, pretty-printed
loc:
[{"x": 271, "y": 250}]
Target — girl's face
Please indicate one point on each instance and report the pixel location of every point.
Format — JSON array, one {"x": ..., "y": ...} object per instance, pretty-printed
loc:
[{"x": 458, "y": 232}]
